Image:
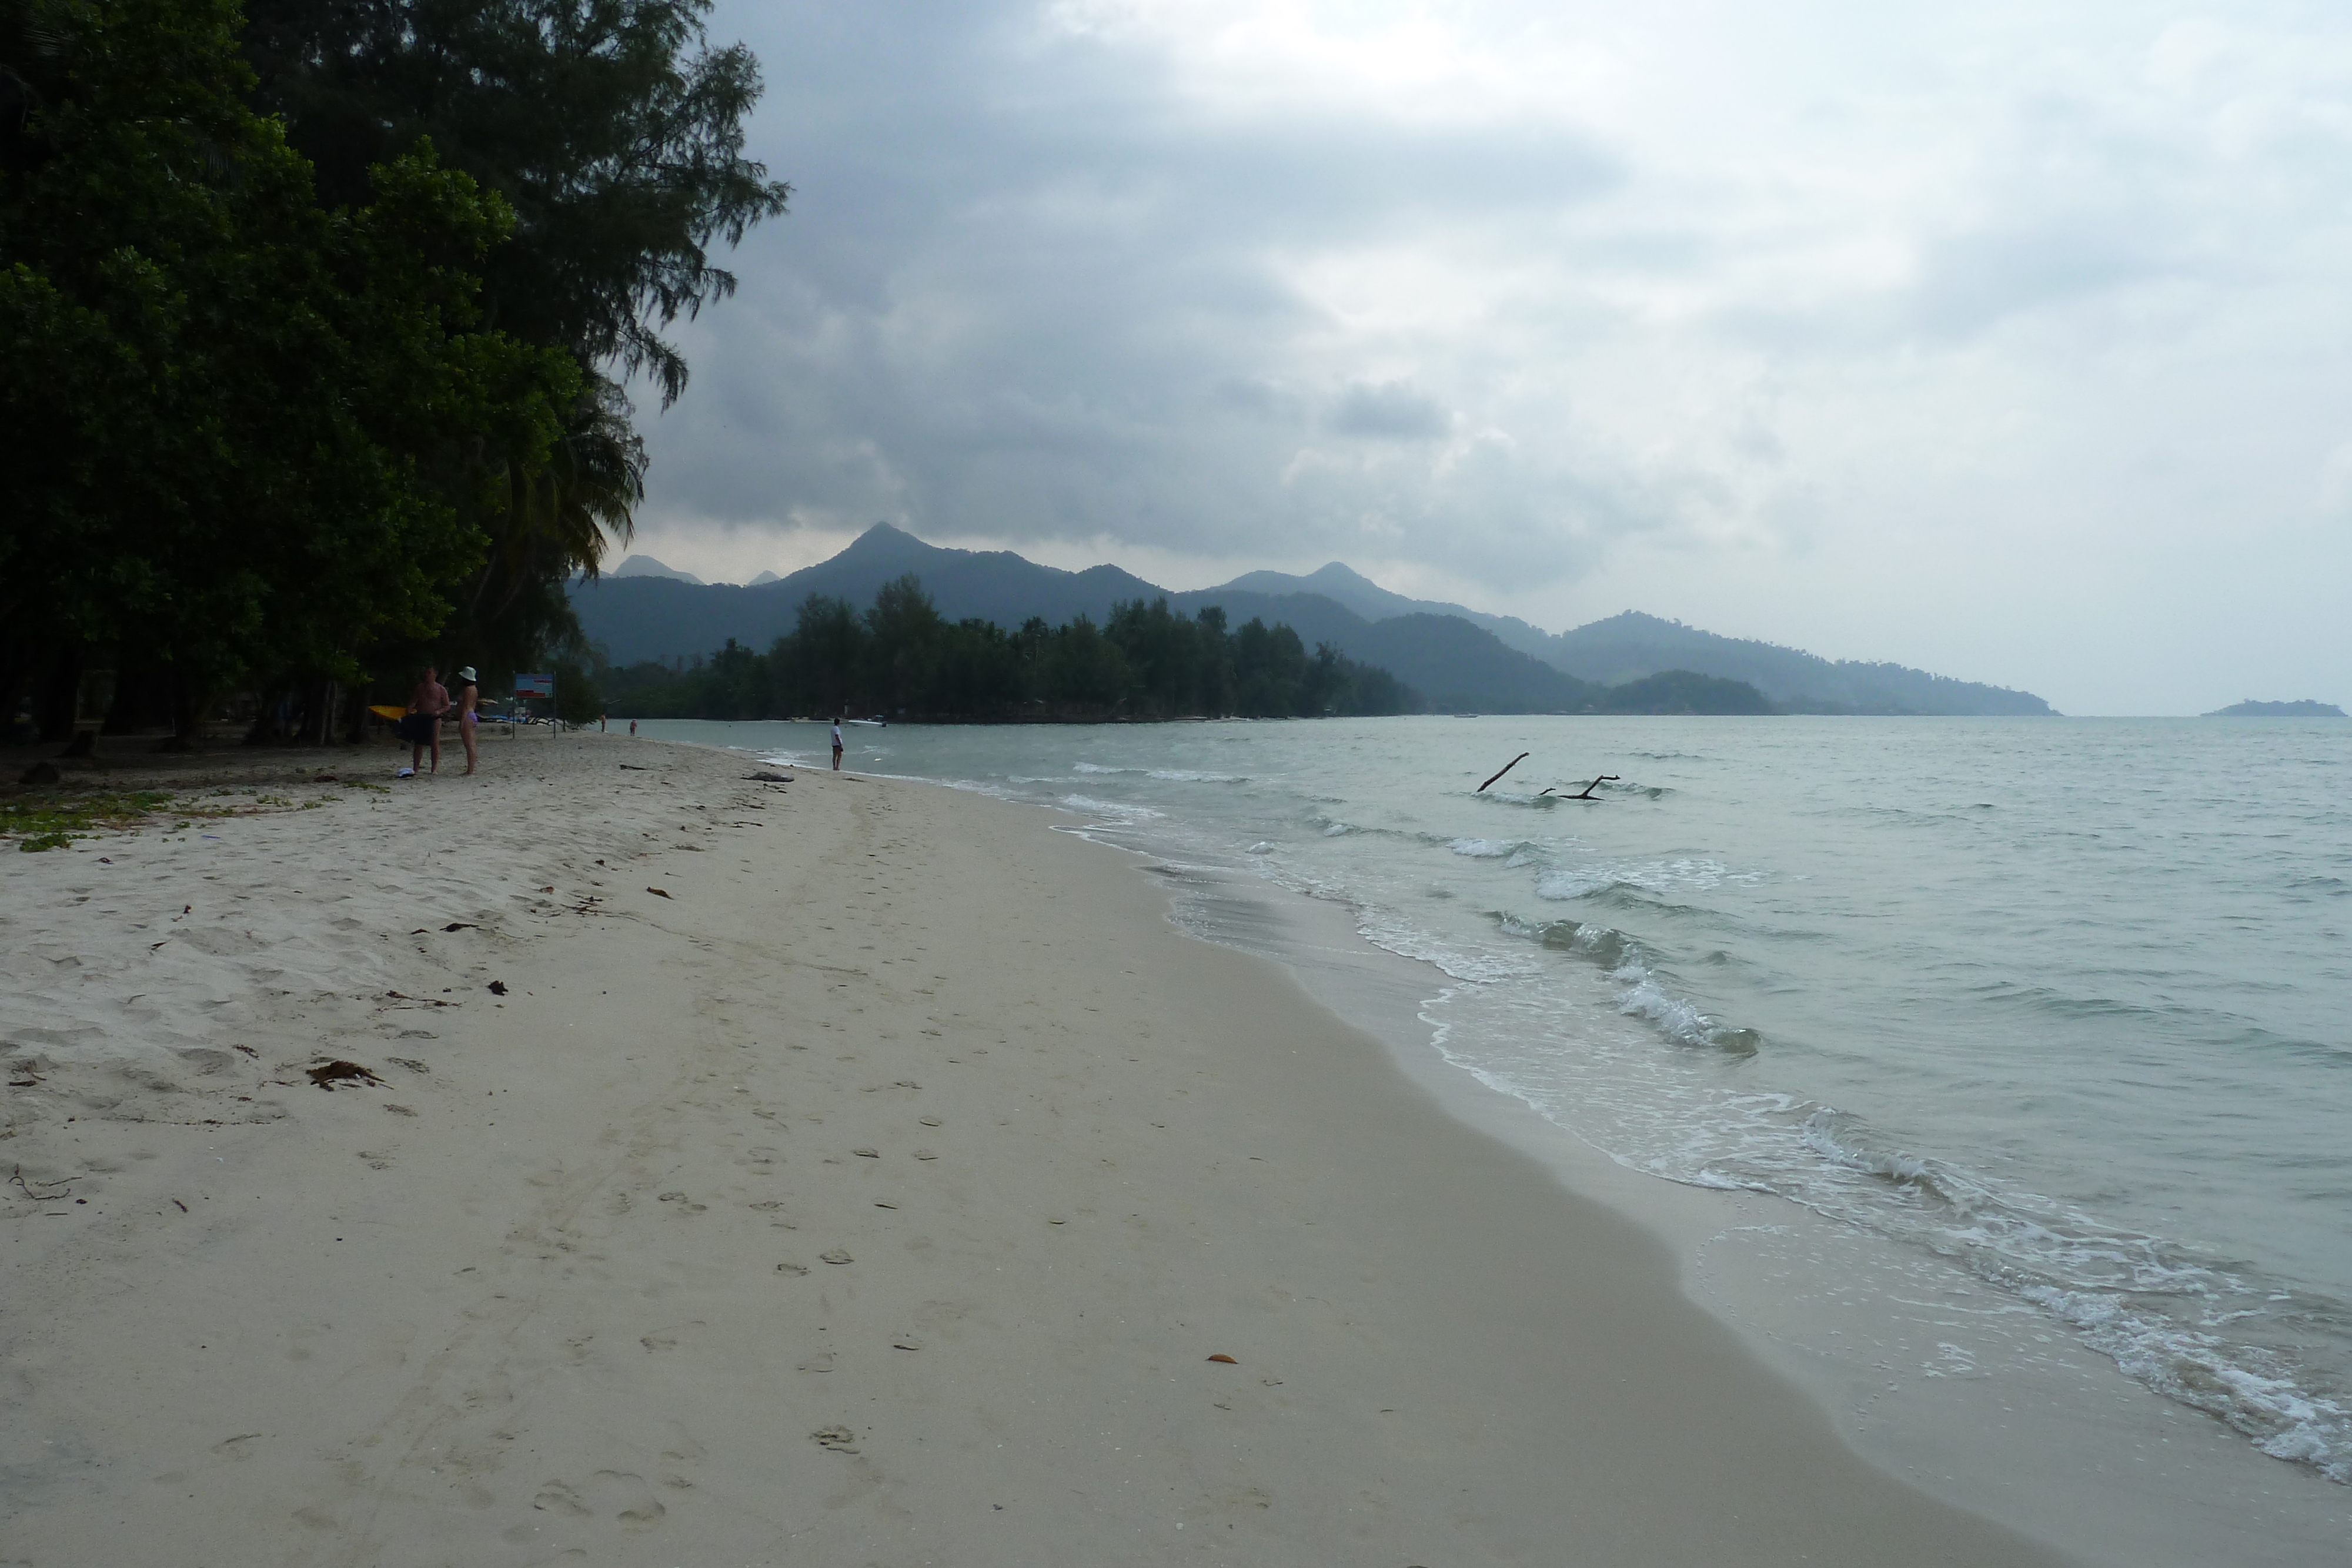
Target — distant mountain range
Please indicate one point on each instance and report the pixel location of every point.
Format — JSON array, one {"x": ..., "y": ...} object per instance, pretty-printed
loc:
[
  {"x": 1458, "y": 659},
  {"x": 646, "y": 566}
]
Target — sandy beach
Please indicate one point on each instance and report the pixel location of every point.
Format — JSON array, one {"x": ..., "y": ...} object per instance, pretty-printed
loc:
[{"x": 847, "y": 1171}]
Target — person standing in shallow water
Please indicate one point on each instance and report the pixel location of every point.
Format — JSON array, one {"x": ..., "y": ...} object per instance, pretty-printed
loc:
[
  {"x": 426, "y": 704},
  {"x": 469, "y": 693},
  {"x": 836, "y": 745}
]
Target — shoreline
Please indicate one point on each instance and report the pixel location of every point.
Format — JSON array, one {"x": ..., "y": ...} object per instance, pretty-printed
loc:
[
  {"x": 1934, "y": 1372},
  {"x": 2068, "y": 1449},
  {"x": 569, "y": 1333}
]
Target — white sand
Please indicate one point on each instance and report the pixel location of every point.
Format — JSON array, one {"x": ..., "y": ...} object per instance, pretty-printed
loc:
[{"x": 878, "y": 1197}]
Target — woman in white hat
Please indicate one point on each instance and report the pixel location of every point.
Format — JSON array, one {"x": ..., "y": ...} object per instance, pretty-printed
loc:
[{"x": 469, "y": 693}]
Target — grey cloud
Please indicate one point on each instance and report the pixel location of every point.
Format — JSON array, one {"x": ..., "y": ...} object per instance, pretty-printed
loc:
[
  {"x": 1026, "y": 290},
  {"x": 1389, "y": 411}
]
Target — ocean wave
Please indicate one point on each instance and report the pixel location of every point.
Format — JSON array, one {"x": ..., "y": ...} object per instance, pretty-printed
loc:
[
  {"x": 1639, "y": 993},
  {"x": 1684, "y": 874},
  {"x": 1122, "y": 813},
  {"x": 2211, "y": 1333},
  {"x": 1673, "y": 1017},
  {"x": 1484, "y": 849},
  {"x": 1165, "y": 775},
  {"x": 2256, "y": 1393},
  {"x": 2137, "y": 1298}
]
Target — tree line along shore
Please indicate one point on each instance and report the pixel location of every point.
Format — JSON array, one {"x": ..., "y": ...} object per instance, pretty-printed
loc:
[{"x": 315, "y": 321}]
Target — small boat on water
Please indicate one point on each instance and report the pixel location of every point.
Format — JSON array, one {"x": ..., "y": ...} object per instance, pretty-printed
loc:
[{"x": 876, "y": 721}]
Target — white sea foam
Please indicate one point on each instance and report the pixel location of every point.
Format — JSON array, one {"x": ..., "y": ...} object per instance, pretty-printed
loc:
[
  {"x": 1684, "y": 874},
  {"x": 1484, "y": 849},
  {"x": 1120, "y": 813},
  {"x": 1674, "y": 1018},
  {"x": 2263, "y": 1401}
]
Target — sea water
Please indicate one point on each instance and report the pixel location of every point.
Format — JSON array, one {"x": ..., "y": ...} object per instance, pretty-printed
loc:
[{"x": 2060, "y": 1003}]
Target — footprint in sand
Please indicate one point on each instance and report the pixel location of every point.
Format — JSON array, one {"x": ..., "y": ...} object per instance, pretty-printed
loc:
[
  {"x": 668, "y": 1338},
  {"x": 621, "y": 1496}
]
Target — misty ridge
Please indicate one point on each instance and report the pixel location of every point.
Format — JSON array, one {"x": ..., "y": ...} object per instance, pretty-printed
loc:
[{"x": 1451, "y": 658}]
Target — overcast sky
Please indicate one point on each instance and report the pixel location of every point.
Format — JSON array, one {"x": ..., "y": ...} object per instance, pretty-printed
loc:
[{"x": 2006, "y": 340}]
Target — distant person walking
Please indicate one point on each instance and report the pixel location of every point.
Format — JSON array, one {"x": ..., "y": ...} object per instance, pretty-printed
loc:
[
  {"x": 633, "y": 729},
  {"x": 469, "y": 696},
  {"x": 426, "y": 703},
  {"x": 836, "y": 745}
]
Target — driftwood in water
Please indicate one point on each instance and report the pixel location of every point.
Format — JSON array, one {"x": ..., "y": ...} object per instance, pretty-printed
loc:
[
  {"x": 1586, "y": 793},
  {"x": 1506, "y": 767}
]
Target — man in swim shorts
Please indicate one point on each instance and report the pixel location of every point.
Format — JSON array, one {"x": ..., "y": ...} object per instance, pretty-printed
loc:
[{"x": 426, "y": 704}]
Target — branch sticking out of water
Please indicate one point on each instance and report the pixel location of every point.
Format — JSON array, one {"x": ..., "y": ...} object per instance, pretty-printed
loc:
[{"x": 1506, "y": 767}]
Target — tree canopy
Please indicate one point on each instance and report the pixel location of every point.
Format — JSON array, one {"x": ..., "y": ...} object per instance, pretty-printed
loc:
[
  {"x": 313, "y": 331},
  {"x": 241, "y": 422},
  {"x": 900, "y": 657},
  {"x": 611, "y": 127}
]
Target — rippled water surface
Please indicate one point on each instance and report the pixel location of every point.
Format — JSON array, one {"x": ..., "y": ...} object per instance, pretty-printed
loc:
[{"x": 2063, "y": 1002}]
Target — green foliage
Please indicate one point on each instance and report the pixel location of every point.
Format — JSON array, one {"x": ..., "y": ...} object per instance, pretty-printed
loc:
[
  {"x": 614, "y": 133},
  {"x": 903, "y": 659},
  {"x": 264, "y": 438},
  {"x": 52, "y": 821},
  {"x": 1683, "y": 692},
  {"x": 611, "y": 127},
  {"x": 578, "y": 697},
  {"x": 250, "y": 430}
]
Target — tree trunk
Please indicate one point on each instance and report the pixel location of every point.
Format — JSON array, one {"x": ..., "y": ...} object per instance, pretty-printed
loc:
[
  {"x": 17, "y": 659},
  {"x": 187, "y": 705},
  {"x": 59, "y": 693}
]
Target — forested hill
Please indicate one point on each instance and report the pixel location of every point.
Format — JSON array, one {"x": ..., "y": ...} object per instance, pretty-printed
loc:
[
  {"x": 902, "y": 659},
  {"x": 1452, "y": 664},
  {"x": 1633, "y": 645},
  {"x": 1457, "y": 659},
  {"x": 1629, "y": 646}
]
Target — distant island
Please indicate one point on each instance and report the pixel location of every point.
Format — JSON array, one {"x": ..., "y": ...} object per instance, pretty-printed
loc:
[{"x": 2305, "y": 709}]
